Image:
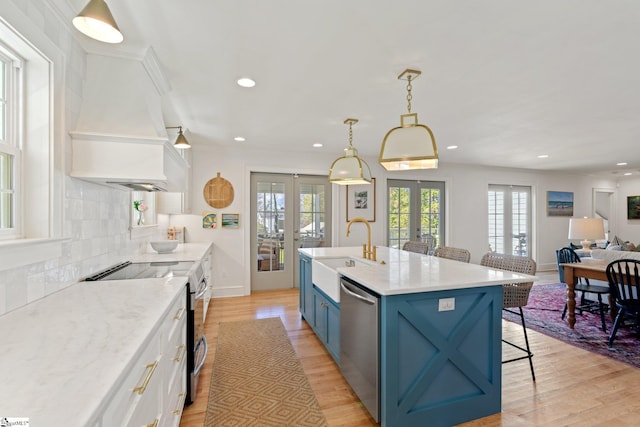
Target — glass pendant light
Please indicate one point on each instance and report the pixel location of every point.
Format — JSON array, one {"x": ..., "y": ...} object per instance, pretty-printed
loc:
[
  {"x": 412, "y": 145},
  {"x": 96, "y": 21},
  {"x": 350, "y": 169}
]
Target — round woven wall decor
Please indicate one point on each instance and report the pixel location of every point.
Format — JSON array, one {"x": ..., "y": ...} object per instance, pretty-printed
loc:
[{"x": 218, "y": 192}]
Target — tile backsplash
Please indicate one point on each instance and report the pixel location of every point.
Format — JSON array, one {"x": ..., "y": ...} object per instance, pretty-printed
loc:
[{"x": 97, "y": 233}]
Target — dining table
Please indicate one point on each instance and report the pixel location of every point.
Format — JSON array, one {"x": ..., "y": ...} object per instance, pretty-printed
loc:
[{"x": 593, "y": 269}]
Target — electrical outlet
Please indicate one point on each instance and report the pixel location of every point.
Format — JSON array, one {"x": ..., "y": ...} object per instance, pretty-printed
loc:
[{"x": 446, "y": 304}]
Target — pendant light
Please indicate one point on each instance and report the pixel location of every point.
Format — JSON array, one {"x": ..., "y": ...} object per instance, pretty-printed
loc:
[
  {"x": 350, "y": 169},
  {"x": 96, "y": 21},
  {"x": 181, "y": 141},
  {"x": 412, "y": 145}
]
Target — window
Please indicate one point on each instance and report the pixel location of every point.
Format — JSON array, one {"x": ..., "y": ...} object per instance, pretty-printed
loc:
[
  {"x": 415, "y": 205},
  {"x": 509, "y": 219},
  {"x": 10, "y": 146}
]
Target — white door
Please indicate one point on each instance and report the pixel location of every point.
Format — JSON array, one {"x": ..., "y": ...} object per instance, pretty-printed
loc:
[{"x": 288, "y": 212}]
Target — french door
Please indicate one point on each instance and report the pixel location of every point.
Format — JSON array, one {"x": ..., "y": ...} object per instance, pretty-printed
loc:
[
  {"x": 510, "y": 219},
  {"x": 416, "y": 211},
  {"x": 288, "y": 212}
]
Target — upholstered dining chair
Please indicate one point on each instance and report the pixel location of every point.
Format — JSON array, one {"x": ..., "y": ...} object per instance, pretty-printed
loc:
[
  {"x": 569, "y": 256},
  {"x": 419, "y": 247},
  {"x": 624, "y": 284},
  {"x": 514, "y": 295},
  {"x": 450, "y": 252}
]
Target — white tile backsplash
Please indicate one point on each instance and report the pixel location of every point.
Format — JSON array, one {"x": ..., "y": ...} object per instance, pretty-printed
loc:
[{"x": 96, "y": 218}]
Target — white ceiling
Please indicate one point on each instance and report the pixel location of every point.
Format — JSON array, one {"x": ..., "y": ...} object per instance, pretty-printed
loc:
[{"x": 504, "y": 80}]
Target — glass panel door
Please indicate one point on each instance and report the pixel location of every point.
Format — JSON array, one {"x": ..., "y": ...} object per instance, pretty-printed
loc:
[
  {"x": 289, "y": 212},
  {"x": 416, "y": 212}
]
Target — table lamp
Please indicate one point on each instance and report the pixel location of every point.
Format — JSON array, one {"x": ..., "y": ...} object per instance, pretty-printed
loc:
[{"x": 586, "y": 229}]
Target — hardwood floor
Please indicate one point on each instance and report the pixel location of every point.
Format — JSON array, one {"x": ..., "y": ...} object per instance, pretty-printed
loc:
[{"x": 574, "y": 387}]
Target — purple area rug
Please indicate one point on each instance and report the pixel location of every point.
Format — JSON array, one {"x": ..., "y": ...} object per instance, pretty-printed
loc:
[{"x": 542, "y": 314}]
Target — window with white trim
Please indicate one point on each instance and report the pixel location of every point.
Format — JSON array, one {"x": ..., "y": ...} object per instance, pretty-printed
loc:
[
  {"x": 510, "y": 219},
  {"x": 10, "y": 144}
]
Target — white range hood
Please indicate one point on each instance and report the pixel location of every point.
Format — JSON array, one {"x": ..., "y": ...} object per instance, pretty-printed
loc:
[{"x": 120, "y": 138}]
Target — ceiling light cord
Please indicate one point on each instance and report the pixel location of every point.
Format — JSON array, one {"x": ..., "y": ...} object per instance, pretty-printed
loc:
[{"x": 409, "y": 96}]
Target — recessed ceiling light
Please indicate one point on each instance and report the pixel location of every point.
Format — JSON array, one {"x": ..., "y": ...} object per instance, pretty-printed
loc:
[
  {"x": 621, "y": 164},
  {"x": 317, "y": 145},
  {"x": 246, "y": 82},
  {"x": 452, "y": 147},
  {"x": 628, "y": 173},
  {"x": 543, "y": 156},
  {"x": 239, "y": 139}
]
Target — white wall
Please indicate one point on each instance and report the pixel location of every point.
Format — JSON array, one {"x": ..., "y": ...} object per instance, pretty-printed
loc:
[
  {"x": 466, "y": 193},
  {"x": 95, "y": 219},
  {"x": 626, "y": 229}
]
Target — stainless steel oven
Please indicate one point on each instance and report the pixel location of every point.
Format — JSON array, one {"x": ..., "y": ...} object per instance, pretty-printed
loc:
[{"x": 196, "y": 289}]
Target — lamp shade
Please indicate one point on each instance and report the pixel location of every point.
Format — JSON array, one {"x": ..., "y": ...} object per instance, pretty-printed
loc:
[
  {"x": 96, "y": 21},
  {"x": 586, "y": 229},
  {"x": 410, "y": 146},
  {"x": 350, "y": 169},
  {"x": 181, "y": 141}
]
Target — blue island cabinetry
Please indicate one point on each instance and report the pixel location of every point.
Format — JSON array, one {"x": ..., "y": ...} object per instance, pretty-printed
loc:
[
  {"x": 320, "y": 311},
  {"x": 440, "y": 350}
]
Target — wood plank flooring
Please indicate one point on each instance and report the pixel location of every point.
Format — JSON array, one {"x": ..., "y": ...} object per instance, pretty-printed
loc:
[{"x": 574, "y": 387}]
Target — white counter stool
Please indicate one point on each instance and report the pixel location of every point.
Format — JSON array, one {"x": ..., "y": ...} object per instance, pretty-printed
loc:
[{"x": 515, "y": 295}]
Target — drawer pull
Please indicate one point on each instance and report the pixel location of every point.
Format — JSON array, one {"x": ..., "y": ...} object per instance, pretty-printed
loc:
[
  {"x": 154, "y": 423},
  {"x": 180, "y": 353},
  {"x": 181, "y": 398},
  {"x": 179, "y": 314},
  {"x": 151, "y": 367}
]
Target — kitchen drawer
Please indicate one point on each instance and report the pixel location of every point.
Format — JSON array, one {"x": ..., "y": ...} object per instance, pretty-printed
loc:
[
  {"x": 175, "y": 355},
  {"x": 176, "y": 318},
  {"x": 177, "y": 394},
  {"x": 127, "y": 394}
]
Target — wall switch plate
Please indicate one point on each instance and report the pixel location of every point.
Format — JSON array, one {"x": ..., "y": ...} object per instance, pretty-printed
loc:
[{"x": 446, "y": 304}]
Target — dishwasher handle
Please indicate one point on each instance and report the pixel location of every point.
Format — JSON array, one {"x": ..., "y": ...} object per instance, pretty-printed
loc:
[{"x": 353, "y": 294}]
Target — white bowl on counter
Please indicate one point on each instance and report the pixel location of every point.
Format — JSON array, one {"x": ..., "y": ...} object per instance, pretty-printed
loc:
[{"x": 164, "y": 246}]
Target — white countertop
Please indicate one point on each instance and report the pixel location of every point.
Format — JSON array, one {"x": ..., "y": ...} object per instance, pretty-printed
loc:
[
  {"x": 406, "y": 272},
  {"x": 184, "y": 252},
  {"x": 62, "y": 354}
]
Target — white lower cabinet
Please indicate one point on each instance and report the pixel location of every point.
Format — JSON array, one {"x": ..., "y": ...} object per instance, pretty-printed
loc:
[
  {"x": 152, "y": 391},
  {"x": 207, "y": 263}
]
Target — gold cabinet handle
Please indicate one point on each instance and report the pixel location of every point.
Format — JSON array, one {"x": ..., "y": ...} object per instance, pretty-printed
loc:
[
  {"x": 179, "y": 314},
  {"x": 151, "y": 367},
  {"x": 181, "y": 398},
  {"x": 180, "y": 353},
  {"x": 154, "y": 423}
]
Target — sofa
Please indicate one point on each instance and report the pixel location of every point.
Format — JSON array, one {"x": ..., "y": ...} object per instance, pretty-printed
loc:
[{"x": 612, "y": 255}]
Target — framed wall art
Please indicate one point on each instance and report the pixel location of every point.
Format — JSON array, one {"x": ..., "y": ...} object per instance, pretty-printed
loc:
[
  {"x": 209, "y": 220},
  {"x": 361, "y": 201},
  {"x": 633, "y": 207},
  {"x": 559, "y": 203},
  {"x": 230, "y": 220}
]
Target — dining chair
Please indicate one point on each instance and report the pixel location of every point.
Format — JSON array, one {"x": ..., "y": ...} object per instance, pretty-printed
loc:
[
  {"x": 449, "y": 252},
  {"x": 514, "y": 295},
  {"x": 430, "y": 240},
  {"x": 624, "y": 284},
  {"x": 569, "y": 256},
  {"x": 419, "y": 247}
]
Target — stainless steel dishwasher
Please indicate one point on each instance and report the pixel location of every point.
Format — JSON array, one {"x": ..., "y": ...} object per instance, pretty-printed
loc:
[{"x": 360, "y": 343}]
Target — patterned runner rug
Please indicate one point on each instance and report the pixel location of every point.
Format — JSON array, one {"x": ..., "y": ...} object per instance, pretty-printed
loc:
[
  {"x": 543, "y": 314},
  {"x": 258, "y": 380}
]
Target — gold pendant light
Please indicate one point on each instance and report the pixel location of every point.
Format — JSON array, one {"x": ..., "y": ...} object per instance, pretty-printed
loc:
[
  {"x": 96, "y": 21},
  {"x": 412, "y": 145},
  {"x": 350, "y": 169},
  {"x": 181, "y": 141}
]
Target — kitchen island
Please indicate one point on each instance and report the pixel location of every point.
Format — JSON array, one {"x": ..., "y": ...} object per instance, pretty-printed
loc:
[{"x": 439, "y": 332}]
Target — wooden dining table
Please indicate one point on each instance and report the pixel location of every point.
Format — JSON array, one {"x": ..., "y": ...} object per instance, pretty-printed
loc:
[{"x": 589, "y": 269}]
